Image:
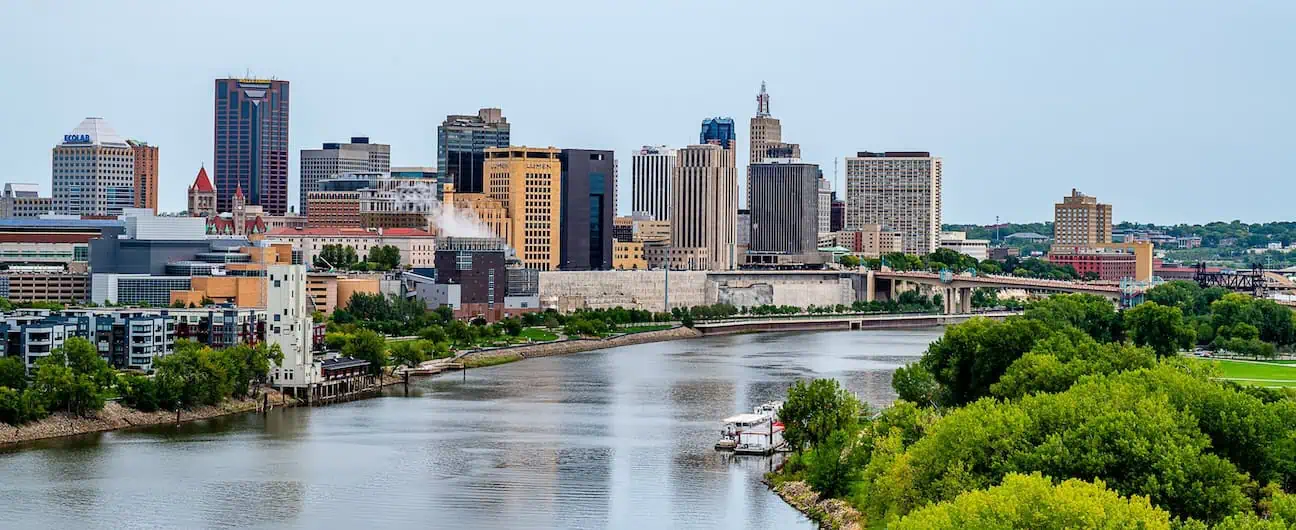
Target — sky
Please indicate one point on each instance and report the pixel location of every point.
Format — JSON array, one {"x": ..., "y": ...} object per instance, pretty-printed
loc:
[{"x": 1172, "y": 111}]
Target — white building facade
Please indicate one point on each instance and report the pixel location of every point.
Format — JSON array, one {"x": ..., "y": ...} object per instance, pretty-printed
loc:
[
  {"x": 93, "y": 171},
  {"x": 288, "y": 325},
  {"x": 650, "y": 181}
]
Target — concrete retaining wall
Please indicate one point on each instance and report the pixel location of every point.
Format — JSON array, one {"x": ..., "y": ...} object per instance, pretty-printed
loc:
[{"x": 571, "y": 290}]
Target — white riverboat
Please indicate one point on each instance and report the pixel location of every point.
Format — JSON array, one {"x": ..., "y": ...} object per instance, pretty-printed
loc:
[{"x": 756, "y": 433}]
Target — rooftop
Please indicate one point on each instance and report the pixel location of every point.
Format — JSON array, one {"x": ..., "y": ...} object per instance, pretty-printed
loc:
[
  {"x": 94, "y": 131},
  {"x": 332, "y": 231}
]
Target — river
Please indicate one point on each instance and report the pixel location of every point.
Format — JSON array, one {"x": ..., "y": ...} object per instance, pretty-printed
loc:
[{"x": 619, "y": 438}]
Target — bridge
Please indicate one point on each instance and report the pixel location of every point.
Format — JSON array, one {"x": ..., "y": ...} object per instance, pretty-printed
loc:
[
  {"x": 840, "y": 322},
  {"x": 956, "y": 289}
]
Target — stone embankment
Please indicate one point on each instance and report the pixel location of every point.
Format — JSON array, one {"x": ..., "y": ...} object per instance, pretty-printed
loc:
[
  {"x": 115, "y": 416},
  {"x": 546, "y": 349},
  {"x": 832, "y": 514}
]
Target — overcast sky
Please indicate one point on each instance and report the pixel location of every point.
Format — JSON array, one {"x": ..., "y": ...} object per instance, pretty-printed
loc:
[{"x": 1173, "y": 111}]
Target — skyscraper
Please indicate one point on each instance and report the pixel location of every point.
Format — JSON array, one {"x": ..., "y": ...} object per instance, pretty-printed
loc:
[
  {"x": 334, "y": 159},
  {"x": 1081, "y": 221},
  {"x": 719, "y": 131},
  {"x": 650, "y": 175},
  {"x": 898, "y": 190},
  {"x": 766, "y": 138},
  {"x": 704, "y": 208},
  {"x": 93, "y": 171},
  {"x": 825, "y": 203},
  {"x": 784, "y": 208},
  {"x": 527, "y": 181},
  {"x": 251, "y": 143},
  {"x": 146, "y": 174},
  {"x": 588, "y": 205},
  {"x": 461, "y": 144}
]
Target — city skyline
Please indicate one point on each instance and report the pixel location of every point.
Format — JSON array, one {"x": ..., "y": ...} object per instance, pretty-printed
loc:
[{"x": 1143, "y": 119}]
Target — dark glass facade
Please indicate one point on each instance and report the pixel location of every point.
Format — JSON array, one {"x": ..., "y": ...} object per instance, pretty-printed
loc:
[
  {"x": 719, "y": 131},
  {"x": 588, "y": 203},
  {"x": 461, "y": 146},
  {"x": 251, "y": 143}
]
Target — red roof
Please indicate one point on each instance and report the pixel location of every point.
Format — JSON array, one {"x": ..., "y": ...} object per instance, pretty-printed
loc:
[
  {"x": 334, "y": 231},
  {"x": 405, "y": 232},
  {"x": 238, "y": 192},
  {"x": 202, "y": 183}
]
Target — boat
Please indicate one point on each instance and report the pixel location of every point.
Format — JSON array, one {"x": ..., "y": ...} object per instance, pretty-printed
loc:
[{"x": 756, "y": 433}]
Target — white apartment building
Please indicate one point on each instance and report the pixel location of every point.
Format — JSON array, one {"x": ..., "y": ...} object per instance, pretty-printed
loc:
[
  {"x": 288, "y": 324},
  {"x": 898, "y": 190}
]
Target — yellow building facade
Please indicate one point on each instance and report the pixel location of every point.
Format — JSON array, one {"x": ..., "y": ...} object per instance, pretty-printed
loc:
[
  {"x": 628, "y": 255},
  {"x": 527, "y": 183}
]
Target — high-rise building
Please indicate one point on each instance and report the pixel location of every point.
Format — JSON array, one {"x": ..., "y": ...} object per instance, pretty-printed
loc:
[
  {"x": 1081, "y": 221},
  {"x": 202, "y": 196},
  {"x": 334, "y": 159},
  {"x": 704, "y": 209},
  {"x": 588, "y": 205},
  {"x": 898, "y": 190},
  {"x": 766, "y": 138},
  {"x": 825, "y": 203},
  {"x": 93, "y": 171},
  {"x": 784, "y": 208},
  {"x": 251, "y": 143},
  {"x": 650, "y": 175},
  {"x": 461, "y": 144},
  {"x": 837, "y": 219},
  {"x": 719, "y": 131},
  {"x": 146, "y": 174},
  {"x": 24, "y": 200},
  {"x": 527, "y": 182}
]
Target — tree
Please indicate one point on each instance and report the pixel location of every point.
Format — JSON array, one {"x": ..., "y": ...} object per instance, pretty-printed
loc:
[
  {"x": 247, "y": 364},
  {"x": 411, "y": 353},
  {"x": 915, "y": 384},
  {"x": 973, "y": 355},
  {"x": 813, "y": 411},
  {"x": 74, "y": 378},
  {"x": 1160, "y": 327},
  {"x": 512, "y": 326},
  {"x": 1034, "y": 502},
  {"x": 1182, "y": 294},
  {"x": 1092, "y": 314},
  {"x": 849, "y": 261},
  {"x": 368, "y": 346},
  {"x": 835, "y": 463},
  {"x": 13, "y": 373},
  {"x": 387, "y": 257},
  {"x": 1057, "y": 362}
]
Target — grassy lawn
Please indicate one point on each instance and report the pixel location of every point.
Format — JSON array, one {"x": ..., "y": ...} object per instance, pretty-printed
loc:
[
  {"x": 479, "y": 362},
  {"x": 640, "y": 329},
  {"x": 1258, "y": 374},
  {"x": 538, "y": 334}
]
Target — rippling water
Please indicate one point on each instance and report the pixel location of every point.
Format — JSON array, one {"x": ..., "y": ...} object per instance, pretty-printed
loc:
[{"x": 618, "y": 438}]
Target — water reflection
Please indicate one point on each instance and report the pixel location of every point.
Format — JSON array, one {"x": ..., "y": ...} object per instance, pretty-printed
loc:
[{"x": 620, "y": 438}]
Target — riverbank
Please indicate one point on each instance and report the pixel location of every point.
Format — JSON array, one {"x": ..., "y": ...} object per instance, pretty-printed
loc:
[
  {"x": 483, "y": 358},
  {"x": 832, "y": 514},
  {"x": 114, "y": 416}
]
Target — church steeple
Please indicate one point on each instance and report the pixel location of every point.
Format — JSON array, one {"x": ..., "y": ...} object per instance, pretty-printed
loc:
[{"x": 762, "y": 103}]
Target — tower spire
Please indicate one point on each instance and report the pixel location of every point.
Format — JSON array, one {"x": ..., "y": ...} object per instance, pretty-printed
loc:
[{"x": 762, "y": 102}]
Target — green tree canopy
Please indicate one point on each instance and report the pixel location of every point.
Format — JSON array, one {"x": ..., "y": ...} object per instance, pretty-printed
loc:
[
  {"x": 1160, "y": 327},
  {"x": 813, "y": 411},
  {"x": 1035, "y": 503}
]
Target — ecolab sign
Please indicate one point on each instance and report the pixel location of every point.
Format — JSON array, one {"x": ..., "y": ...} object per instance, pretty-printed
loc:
[{"x": 76, "y": 138}]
